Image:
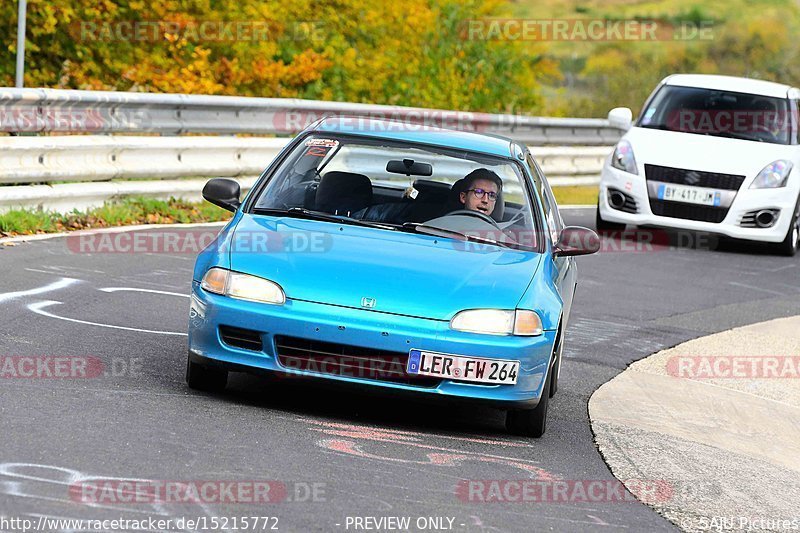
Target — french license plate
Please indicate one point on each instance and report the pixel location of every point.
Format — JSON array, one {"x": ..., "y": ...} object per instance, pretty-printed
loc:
[
  {"x": 457, "y": 367},
  {"x": 689, "y": 195}
]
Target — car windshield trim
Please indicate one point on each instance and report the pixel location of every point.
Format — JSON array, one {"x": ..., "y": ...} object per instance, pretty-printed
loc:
[
  {"x": 269, "y": 173},
  {"x": 719, "y": 113},
  {"x": 529, "y": 199}
]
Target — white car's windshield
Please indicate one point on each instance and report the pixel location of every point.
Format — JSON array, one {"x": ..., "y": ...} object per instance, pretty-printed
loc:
[
  {"x": 719, "y": 113},
  {"x": 398, "y": 183}
]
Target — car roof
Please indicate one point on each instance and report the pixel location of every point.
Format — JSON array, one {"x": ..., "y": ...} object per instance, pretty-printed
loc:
[
  {"x": 403, "y": 131},
  {"x": 729, "y": 83}
]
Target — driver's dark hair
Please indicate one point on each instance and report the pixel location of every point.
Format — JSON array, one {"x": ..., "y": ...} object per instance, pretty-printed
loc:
[{"x": 483, "y": 174}]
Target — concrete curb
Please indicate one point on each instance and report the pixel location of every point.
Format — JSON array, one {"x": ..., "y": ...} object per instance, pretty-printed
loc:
[{"x": 726, "y": 442}]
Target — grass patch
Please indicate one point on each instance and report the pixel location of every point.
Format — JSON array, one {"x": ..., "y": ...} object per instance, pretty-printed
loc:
[
  {"x": 26, "y": 222},
  {"x": 136, "y": 210},
  {"x": 576, "y": 195}
]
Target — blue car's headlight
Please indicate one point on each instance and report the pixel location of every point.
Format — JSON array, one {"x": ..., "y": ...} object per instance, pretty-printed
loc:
[
  {"x": 773, "y": 175},
  {"x": 498, "y": 322},
  {"x": 242, "y": 286}
]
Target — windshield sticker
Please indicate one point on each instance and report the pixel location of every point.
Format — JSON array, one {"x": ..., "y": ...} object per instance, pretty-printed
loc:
[
  {"x": 318, "y": 151},
  {"x": 330, "y": 143}
]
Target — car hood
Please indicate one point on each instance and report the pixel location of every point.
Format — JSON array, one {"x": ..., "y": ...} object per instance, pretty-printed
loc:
[
  {"x": 703, "y": 152},
  {"x": 404, "y": 273}
]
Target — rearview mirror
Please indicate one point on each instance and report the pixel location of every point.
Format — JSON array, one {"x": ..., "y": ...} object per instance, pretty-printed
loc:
[
  {"x": 620, "y": 117},
  {"x": 409, "y": 167},
  {"x": 223, "y": 192},
  {"x": 575, "y": 240}
]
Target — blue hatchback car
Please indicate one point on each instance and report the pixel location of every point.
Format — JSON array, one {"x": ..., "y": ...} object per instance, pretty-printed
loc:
[{"x": 392, "y": 255}]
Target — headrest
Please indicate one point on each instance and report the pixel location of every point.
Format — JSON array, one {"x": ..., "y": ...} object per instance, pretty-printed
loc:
[
  {"x": 343, "y": 192},
  {"x": 430, "y": 190}
]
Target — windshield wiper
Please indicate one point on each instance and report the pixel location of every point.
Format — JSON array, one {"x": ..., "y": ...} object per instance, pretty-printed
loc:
[
  {"x": 728, "y": 134},
  {"x": 738, "y": 136},
  {"x": 301, "y": 212},
  {"x": 415, "y": 227}
]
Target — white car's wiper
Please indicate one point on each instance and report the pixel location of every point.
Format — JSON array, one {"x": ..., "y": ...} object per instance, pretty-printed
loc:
[{"x": 301, "y": 212}]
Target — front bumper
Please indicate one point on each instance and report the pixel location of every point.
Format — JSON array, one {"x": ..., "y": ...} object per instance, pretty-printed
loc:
[
  {"x": 370, "y": 329},
  {"x": 747, "y": 200}
]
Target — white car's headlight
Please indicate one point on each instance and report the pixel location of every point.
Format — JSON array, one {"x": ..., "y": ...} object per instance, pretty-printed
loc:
[
  {"x": 774, "y": 175},
  {"x": 242, "y": 286},
  {"x": 623, "y": 159},
  {"x": 498, "y": 322}
]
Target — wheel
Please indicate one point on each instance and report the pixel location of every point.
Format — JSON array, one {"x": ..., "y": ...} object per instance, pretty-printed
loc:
[
  {"x": 792, "y": 241},
  {"x": 604, "y": 227},
  {"x": 205, "y": 378},
  {"x": 531, "y": 422}
]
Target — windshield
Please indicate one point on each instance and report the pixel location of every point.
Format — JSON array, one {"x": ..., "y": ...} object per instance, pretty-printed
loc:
[
  {"x": 401, "y": 186},
  {"x": 719, "y": 113}
]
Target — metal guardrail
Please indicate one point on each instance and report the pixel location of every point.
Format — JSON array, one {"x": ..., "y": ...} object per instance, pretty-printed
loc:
[
  {"x": 571, "y": 151},
  {"x": 63, "y": 111},
  {"x": 104, "y": 157},
  {"x": 26, "y": 162}
]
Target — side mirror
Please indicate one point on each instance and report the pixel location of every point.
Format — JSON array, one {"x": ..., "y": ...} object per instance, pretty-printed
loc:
[
  {"x": 620, "y": 117},
  {"x": 223, "y": 192},
  {"x": 575, "y": 240}
]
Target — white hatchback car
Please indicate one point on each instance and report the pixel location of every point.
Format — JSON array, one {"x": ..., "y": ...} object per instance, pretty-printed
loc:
[{"x": 712, "y": 154}]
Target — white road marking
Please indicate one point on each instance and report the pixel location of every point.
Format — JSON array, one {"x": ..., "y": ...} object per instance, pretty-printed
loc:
[
  {"x": 744, "y": 285},
  {"x": 60, "y": 284},
  {"x": 575, "y": 207},
  {"x": 38, "y": 308},
  {"x": 40, "y": 271},
  {"x": 136, "y": 289}
]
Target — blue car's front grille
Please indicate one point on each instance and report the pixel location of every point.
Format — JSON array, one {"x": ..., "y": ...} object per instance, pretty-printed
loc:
[{"x": 344, "y": 360}]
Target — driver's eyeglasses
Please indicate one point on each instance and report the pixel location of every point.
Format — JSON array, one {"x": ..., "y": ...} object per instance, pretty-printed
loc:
[{"x": 479, "y": 194}]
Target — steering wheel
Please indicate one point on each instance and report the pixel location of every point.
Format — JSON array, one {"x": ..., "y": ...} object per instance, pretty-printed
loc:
[
  {"x": 763, "y": 128},
  {"x": 477, "y": 214}
]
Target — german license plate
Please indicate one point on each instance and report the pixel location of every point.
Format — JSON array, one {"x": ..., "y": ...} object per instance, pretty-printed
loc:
[
  {"x": 689, "y": 195},
  {"x": 461, "y": 368}
]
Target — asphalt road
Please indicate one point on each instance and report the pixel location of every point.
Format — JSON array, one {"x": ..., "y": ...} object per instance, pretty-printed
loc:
[{"x": 365, "y": 455}]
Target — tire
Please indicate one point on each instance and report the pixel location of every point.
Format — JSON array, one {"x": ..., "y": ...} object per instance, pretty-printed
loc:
[
  {"x": 531, "y": 422},
  {"x": 791, "y": 243},
  {"x": 604, "y": 227},
  {"x": 204, "y": 378}
]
